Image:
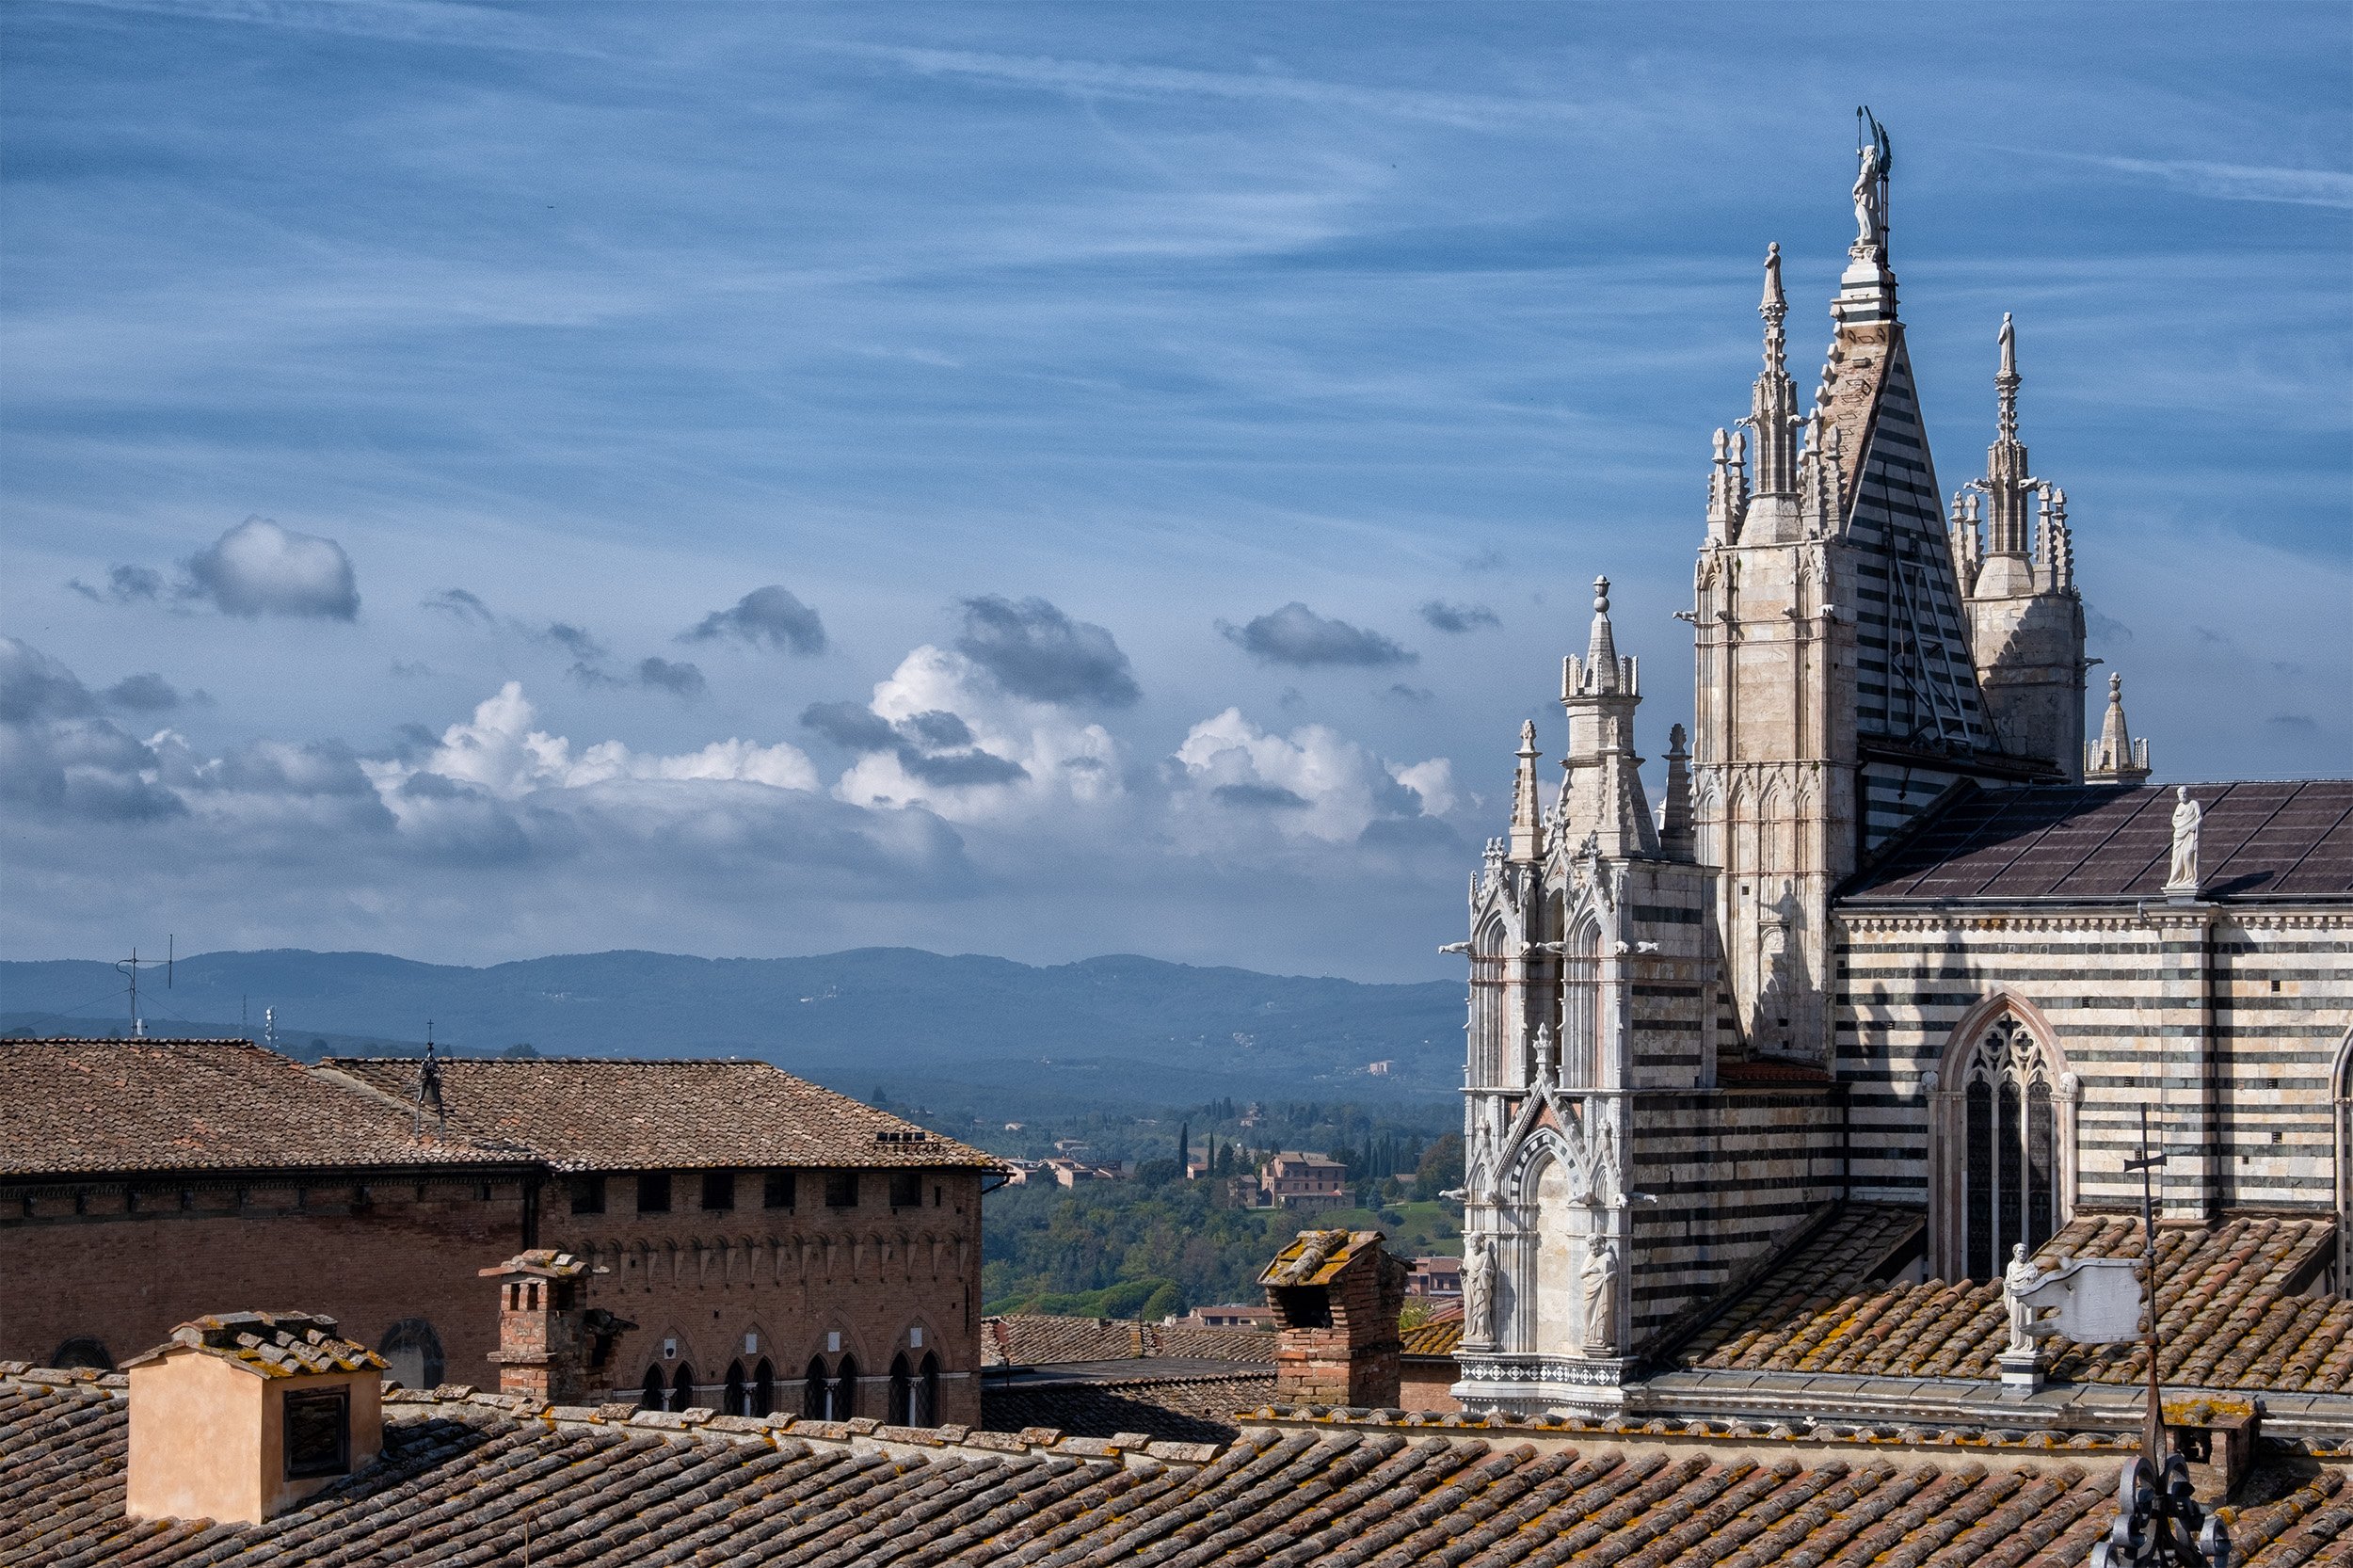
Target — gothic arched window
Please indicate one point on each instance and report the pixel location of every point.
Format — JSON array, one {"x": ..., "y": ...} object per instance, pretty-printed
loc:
[
  {"x": 2010, "y": 1149},
  {"x": 845, "y": 1400},
  {"x": 927, "y": 1392},
  {"x": 652, "y": 1398},
  {"x": 813, "y": 1386},
  {"x": 763, "y": 1389},
  {"x": 1580, "y": 1008},
  {"x": 683, "y": 1387},
  {"x": 902, "y": 1391},
  {"x": 737, "y": 1399}
]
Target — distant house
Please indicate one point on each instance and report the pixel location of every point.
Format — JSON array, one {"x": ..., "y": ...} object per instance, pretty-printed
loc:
[
  {"x": 1293, "y": 1179},
  {"x": 1379, "y": 1069},
  {"x": 1440, "y": 1278},
  {"x": 1231, "y": 1315}
]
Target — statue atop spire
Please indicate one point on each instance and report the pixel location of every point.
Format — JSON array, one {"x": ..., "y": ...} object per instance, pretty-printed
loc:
[
  {"x": 1773, "y": 406},
  {"x": 1876, "y": 157},
  {"x": 2007, "y": 483}
]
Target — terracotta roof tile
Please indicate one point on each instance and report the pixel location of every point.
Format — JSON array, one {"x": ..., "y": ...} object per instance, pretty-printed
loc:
[
  {"x": 2226, "y": 1318},
  {"x": 89, "y": 1106},
  {"x": 465, "y": 1481},
  {"x": 1038, "y": 1339},
  {"x": 601, "y": 1113},
  {"x": 1187, "y": 1409},
  {"x": 275, "y": 1344}
]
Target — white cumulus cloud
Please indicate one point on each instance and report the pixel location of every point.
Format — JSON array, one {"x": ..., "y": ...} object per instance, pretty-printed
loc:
[{"x": 1230, "y": 776}]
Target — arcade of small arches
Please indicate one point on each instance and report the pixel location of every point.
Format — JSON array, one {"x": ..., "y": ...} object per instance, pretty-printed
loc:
[
  {"x": 721, "y": 1260},
  {"x": 831, "y": 1386}
]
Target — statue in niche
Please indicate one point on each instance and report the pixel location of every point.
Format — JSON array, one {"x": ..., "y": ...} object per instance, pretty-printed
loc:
[
  {"x": 1479, "y": 1280},
  {"x": 1600, "y": 1279},
  {"x": 2181, "y": 876}
]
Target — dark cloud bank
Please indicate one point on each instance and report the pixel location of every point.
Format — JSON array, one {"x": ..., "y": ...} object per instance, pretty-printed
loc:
[{"x": 1297, "y": 636}]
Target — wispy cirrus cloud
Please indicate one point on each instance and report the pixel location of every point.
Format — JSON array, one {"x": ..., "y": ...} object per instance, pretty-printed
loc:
[
  {"x": 1106, "y": 78},
  {"x": 395, "y": 21},
  {"x": 2223, "y": 182}
]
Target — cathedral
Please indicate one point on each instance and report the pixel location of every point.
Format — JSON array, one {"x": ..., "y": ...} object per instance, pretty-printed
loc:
[{"x": 1900, "y": 943}]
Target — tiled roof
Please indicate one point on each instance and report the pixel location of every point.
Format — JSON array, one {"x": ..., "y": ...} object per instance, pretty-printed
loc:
[
  {"x": 2225, "y": 1317},
  {"x": 1441, "y": 1333},
  {"x": 464, "y": 1481},
  {"x": 1316, "y": 1257},
  {"x": 1036, "y": 1340},
  {"x": 1184, "y": 1410},
  {"x": 275, "y": 1344},
  {"x": 612, "y": 1114},
  {"x": 2290, "y": 841},
  {"x": 93, "y": 1106}
]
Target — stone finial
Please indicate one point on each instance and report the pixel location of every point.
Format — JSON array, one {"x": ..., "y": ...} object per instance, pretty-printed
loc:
[
  {"x": 1676, "y": 839},
  {"x": 1601, "y": 647},
  {"x": 1773, "y": 402},
  {"x": 1527, "y": 828},
  {"x": 2115, "y": 758}
]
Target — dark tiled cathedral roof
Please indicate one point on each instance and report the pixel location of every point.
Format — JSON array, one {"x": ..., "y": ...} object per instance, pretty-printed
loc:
[
  {"x": 474, "y": 1480},
  {"x": 2287, "y": 841},
  {"x": 2226, "y": 1317}
]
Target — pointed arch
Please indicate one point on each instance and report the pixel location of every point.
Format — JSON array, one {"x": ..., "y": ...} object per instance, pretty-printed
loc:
[
  {"x": 2003, "y": 1105},
  {"x": 1581, "y": 999}
]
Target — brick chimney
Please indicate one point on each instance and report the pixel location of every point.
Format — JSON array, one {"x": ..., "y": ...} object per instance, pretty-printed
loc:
[
  {"x": 243, "y": 1414},
  {"x": 549, "y": 1347},
  {"x": 1336, "y": 1296}
]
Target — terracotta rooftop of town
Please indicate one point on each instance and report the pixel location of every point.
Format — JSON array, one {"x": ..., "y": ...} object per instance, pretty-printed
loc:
[
  {"x": 598, "y": 1114},
  {"x": 275, "y": 1344},
  {"x": 1035, "y": 1339},
  {"x": 2286, "y": 841},
  {"x": 464, "y": 1477},
  {"x": 93, "y": 1107},
  {"x": 2230, "y": 1314}
]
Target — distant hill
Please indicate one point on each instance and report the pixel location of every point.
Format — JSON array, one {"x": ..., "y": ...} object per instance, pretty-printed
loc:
[{"x": 986, "y": 1032}]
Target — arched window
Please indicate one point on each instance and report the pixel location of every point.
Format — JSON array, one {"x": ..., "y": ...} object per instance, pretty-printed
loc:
[
  {"x": 763, "y": 1389},
  {"x": 683, "y": 1387},
  {"x": 814, "y": 1389},
  {"x": 843, "y": 1406},
  {"x": 2010, "y": 1149},
  {"x": 902, "y": 1391},
  {"x": 82, "y": 1351},
  {"x": 1580, "y": 1009},
  {"x": 411, "y": 1349},
  {"x": 737, "y": 1398},
  {"x": 927, "y": 1392},
  {"x": 1486, "y": 1003},
  {"x": 654, "y": 1397}
]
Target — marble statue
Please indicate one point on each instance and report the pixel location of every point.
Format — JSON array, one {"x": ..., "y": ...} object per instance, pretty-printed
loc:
[
  {"x": 1600, "y": 1279},
  {"x": 2187, "y": 814},
  {"x": 1479, "y": 1275}
]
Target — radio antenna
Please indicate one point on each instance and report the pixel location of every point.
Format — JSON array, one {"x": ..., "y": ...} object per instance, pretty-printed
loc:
[{"x": 130, "y": 968}]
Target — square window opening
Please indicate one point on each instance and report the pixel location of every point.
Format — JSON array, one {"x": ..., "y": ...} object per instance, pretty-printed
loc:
[
  {"x": 906, "y": 1189},
  {"x": 718, "y": 1190},
  {"x": 841, "y": 1188},
  {"x": 587, "y": 1195},
  {"x": 653, "y": 1192},
  {"x": 777, "y": 1190},
  {"x": 318, "y": 1432}
]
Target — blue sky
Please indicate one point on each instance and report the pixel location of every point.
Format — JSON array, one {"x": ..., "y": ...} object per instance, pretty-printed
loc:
[{"x": 761, "y": 479}]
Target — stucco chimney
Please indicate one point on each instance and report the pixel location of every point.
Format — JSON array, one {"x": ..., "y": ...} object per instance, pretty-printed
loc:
[
  {"x": 241, "y": 1415},
  {"x": 1336, "y": 1296},
  {"x": 550, "y": 1347}
]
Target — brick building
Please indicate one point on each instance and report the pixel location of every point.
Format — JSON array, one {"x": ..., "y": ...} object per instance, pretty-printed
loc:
[{"x": 778, "y": 1246}]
